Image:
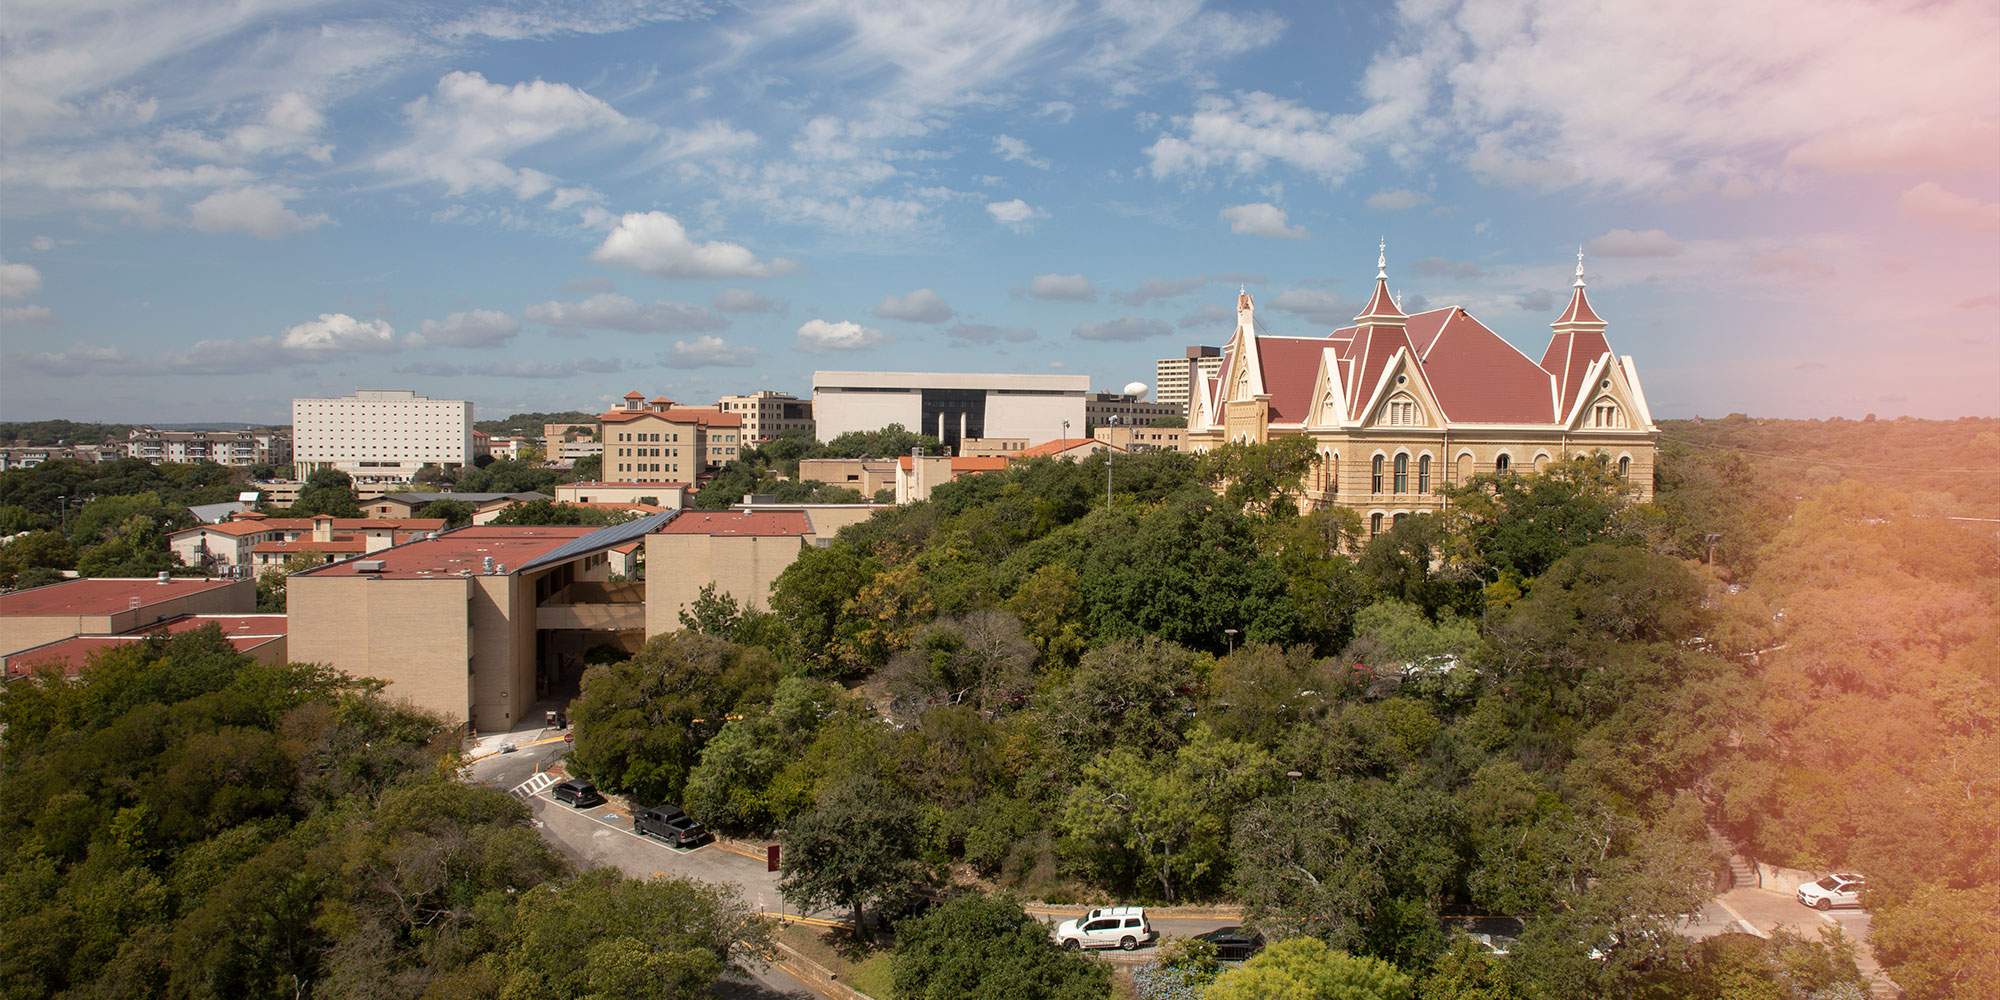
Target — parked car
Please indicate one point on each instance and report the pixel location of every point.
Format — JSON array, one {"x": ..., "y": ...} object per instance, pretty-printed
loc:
[
  {"x": 1233, "y": 944},
  {"x": 1109, "y": 927},
  {"x": 578, "y": 793},
  {"x": 669, "y": 824},
  {"x": 1842, "y": 889}
]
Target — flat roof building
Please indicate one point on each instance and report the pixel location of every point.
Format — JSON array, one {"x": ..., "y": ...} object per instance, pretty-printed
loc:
[
  {"x": 111, "y": 606},
  {"x": 767, "y": 414},
  {"x": 381, "y": 434},
  {"x": 1174, "y": 379},
  {"x": 262, "y": 636},
  {"x": 950, "y": 406},
  {"x": 1110, "y": 409},
  {"x": 740, "y": 553}
]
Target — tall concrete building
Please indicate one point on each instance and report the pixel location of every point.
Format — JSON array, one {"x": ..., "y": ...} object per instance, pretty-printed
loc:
[
  {"x": 768, "y": 414},
  {"x": 1106, "y": 409},
  {"x": 380, "y": 434},
  {"x": 1174, "y": 378},
  {"x": 950, "y": 406}
]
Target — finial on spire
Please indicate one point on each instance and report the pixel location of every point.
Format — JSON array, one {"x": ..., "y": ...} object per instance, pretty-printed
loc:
[
  {"x": 1382, "y": 258},
  {"x": 1579, "y": 266}
]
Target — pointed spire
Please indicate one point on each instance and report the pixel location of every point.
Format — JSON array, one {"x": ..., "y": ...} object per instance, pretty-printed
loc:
[
  {"x": 1579, "y": 310},
  {"x": 1579, "y": 265},
  {"x": 1381, "y": 307},
  {"x": 1382, "y": 258}
]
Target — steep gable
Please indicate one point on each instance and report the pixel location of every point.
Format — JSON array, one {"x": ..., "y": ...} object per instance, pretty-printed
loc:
[{"x": 1480, "y": 378}]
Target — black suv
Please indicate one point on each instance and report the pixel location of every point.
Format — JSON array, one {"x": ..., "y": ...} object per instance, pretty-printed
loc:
[
  {"x": 578, "y": 793},
  {"x": 671, "y": 825}
]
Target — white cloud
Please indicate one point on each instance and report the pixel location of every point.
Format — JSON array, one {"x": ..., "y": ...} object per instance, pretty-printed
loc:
[
  {"x": 292, "y": 124},
  {"x": 1635, "y": 243},
  {"x": 743, "y": 300},
  {"x": 1315, "y": 306},
  {"x": 462, "y": 133},
  {"x": 1396, "y": 200},
  {"x": 1931, "y": 203},
  {"x": 1059, "y": 112},
  {"x": 1124, "y": 328},
  {"x": 845, "y": 335},
  {"x": 474, "y": 328},
  {"x": 258, "y": 211},
  {"x": 1062, "y": 288},
  {"x": 1261, "y": 219},
  {"x": 611, "y": 311},
  {"x": 564, "y": 368},
  {"x": 920, "y": 306},
  {"x": 1245, "y": 133},
  {"x": 1017, "y": 151},
  {"x": 987, "y": 333},
  {"x": 18, "y": 281},
  {"x": 31, "y": 315},
  {"x": 710, "y": 352},
  {"x": 313, "y": 342},
  {"x": 339, "y": 332},
  {"x": 657, "y": 244},
  {"x": 82, "y": 359},
  {"x": 1014, "y": 213}
]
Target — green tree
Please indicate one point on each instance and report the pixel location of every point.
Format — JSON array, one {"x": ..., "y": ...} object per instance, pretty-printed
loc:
[
  {"x": 1265, "y": 478},
  {"x": 1135, "y": 695},
  {"x": 980, "y": 660},
  {"x": 729, "y": 789},
  {"x": 456, "y": 513},
  {"x": 551, "y": 512},
  {"x": 856, "y": 845},
  {"x": 34, "y": 550},
  {"x": 640, "y": 724},
  {"x": 602, "y": 935},
  {"x": 980, "y": 947},
  {"x": 1517, "y": 526},
  {"x": 509, "y": 476},
  {"x": 271, "y": 582},
  {"x": 1941, "y": 942},
  {"x": 1304, "y": 968},
  {"x": 327, "y": 491},
  {"x": 812, "y": 596}
]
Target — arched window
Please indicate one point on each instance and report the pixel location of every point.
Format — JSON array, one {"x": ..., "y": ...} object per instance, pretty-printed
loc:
[
  {"x": 1625, "y": 467},
  {"x": 1424, "y": 474},
  {"x": 1402, "y": 473},
  {"x": 1398, "y": 520},
  {"x": 1501, "y": 463},
  {"x": 1333, "y": 472},
  {"x": 1465, "y": 467},
  {"x": 1375, "y": 476},
  {"x": 1374, "y": 525},
  {"x": 1541, "y": 461}
]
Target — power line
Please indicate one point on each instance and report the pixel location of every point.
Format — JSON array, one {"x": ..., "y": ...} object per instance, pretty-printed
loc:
[{"x": 1903, "y": 469}]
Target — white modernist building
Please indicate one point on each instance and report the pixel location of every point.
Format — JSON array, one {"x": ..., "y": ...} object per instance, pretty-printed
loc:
[
  {"x": 380, "y": 434},
  {"x": 950, "y": 406}
]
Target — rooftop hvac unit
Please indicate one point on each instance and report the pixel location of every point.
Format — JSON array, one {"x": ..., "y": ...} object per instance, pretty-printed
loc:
[
  {"x": 368, "y": 565},
  {"x": 164, "y": 577}
]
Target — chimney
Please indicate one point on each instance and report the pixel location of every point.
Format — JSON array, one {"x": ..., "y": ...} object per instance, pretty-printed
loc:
[{"x": 164, "y": 578}]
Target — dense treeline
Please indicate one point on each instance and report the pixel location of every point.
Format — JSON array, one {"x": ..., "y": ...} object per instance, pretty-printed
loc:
[
  {"x": 108, "y": 519},
  {"x": 1193, "y": 691},
  {"x": 46, "y": 432},
  {"x": 185, "y": 822}
]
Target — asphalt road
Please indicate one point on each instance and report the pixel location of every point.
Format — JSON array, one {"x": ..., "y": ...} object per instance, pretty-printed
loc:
[{"x": 603, "y": 836}]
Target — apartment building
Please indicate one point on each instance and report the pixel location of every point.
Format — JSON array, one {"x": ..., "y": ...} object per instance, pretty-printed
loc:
[
  {"x": 1175, "y": 379},
  {"x": 381, "y": 435},
  {"x": 768, "y": 414},
  {"x": 241, "y": 448},
  {"x": 250, "y": 541},
  {"x": 1106, "y": 409},
  {"x": 1133, "y": 438},
  {"x": 655, "y": 441},
  {"x": 950, "y": 406}
]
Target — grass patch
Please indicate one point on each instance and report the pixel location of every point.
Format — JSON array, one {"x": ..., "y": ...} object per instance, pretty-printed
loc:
[
  {"x": 867, "y": 971},
  {"x": 873, "y": 976}
]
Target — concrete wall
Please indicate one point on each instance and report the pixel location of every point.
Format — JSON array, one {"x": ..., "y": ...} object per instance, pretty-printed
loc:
[
  {"x": 1783, "y": 881},
  {"x": 415, "y": 634},
  {"x": 836, "y": 413},
  {"x": 24, "y": 632},
  {"x": 1037, "y": 418},
  {"x": 679, "y": 566}
]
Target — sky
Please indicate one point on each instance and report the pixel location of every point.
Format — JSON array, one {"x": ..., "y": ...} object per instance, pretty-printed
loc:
[{"x": 208, "y": 208}]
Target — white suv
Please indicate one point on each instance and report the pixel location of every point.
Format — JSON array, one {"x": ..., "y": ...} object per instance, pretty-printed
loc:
[
  {"x": 1834, "y": 890},
  {"x": 1111, "y": 927}
]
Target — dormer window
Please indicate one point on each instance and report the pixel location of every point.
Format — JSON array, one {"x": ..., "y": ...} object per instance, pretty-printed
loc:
[
  {"x": 1606, "y": 414},
  {"x": 1402, "y": 411}
]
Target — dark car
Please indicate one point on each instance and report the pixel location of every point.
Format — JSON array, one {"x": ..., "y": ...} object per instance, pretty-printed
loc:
[
  {"x": 669, "y": 824},
  {"x": 1233, "y": 944},
  {"x": 578, "y": 793}
]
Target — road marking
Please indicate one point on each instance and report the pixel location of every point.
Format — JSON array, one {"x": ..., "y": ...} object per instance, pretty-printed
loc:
[
  {"x": 629, "y": 833},
  {"x": 533, "y": 786},
  {"x": 1746, "y": 925}
]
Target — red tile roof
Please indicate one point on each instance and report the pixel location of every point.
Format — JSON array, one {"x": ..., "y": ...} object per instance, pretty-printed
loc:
[
  {"x": 231, "y": 625},
  {"x": 73, "y": 654},
  {"x": 977, "y": 463},
  {"x": 705, "y": 416},
  {"x": 643, "y": 508},
  {"x": 1290, "y": 365},
  {"x": 1058, "y": 446},
  {"x": 1579, "y": 310},
  {"x": 240, "y": 526},
  {"x": 465, "y": 549},
  {"x": 1380, "y": 303},
  {"x": 101, "y": 596},
  {"x": 1479, "y": 378},
  {"x": 764, "y": 523}
]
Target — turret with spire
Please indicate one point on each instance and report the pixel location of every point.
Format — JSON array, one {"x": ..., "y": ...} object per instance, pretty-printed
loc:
[
  {"x": 1578, "y": 342},
  {"x": 1381, "y": 309}
]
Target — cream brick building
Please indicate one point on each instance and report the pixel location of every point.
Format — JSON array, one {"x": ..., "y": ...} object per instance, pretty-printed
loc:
[
  {"x": 381, "y": 435},
  {"x": 112, "y": 605},
  {"x": 767, "y": 414},
  {"x": 1398, "y": 406},
  {"x": 655, "y": 441}
]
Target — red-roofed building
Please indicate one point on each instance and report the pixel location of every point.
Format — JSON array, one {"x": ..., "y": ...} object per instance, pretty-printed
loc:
[
  {"x": 738, "y": 552},
  {"x": 670, "y": 495},
  {"x": 1068, "y": 449},
  {"x": 1399, "y": 406},
  {"x": 252, "y": 541},
  {"x": 657, "y": 441},
  {"x": 112, "y": 606},
  {"x": 917, "y": 476}
]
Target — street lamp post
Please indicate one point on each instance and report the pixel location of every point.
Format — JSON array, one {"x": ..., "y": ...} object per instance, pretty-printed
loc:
[{"x": 1231, "y": 633}]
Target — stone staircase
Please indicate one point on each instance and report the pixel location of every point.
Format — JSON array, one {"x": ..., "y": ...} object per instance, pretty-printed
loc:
[{"x": 1742, "y": 874}]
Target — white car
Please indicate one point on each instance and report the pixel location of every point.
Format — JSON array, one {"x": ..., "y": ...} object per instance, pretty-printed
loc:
[
  {"x": 1110, "y": 927},
  {"x": 1843, "y": 889}
]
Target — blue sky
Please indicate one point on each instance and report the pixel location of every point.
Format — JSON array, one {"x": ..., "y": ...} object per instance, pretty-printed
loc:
[{"x": 207, "y": 208}]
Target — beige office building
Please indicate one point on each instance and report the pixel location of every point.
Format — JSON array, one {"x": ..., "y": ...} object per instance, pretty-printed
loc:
[
  {"x": 740, "y": 553},
  {"x": 768, "y": 415},
  {"x": 1174, "y": 379},
  {"x": 112, "y": 605},
  {"x": 381, "y": 435},
  {"x": 656, "y": 441}
]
